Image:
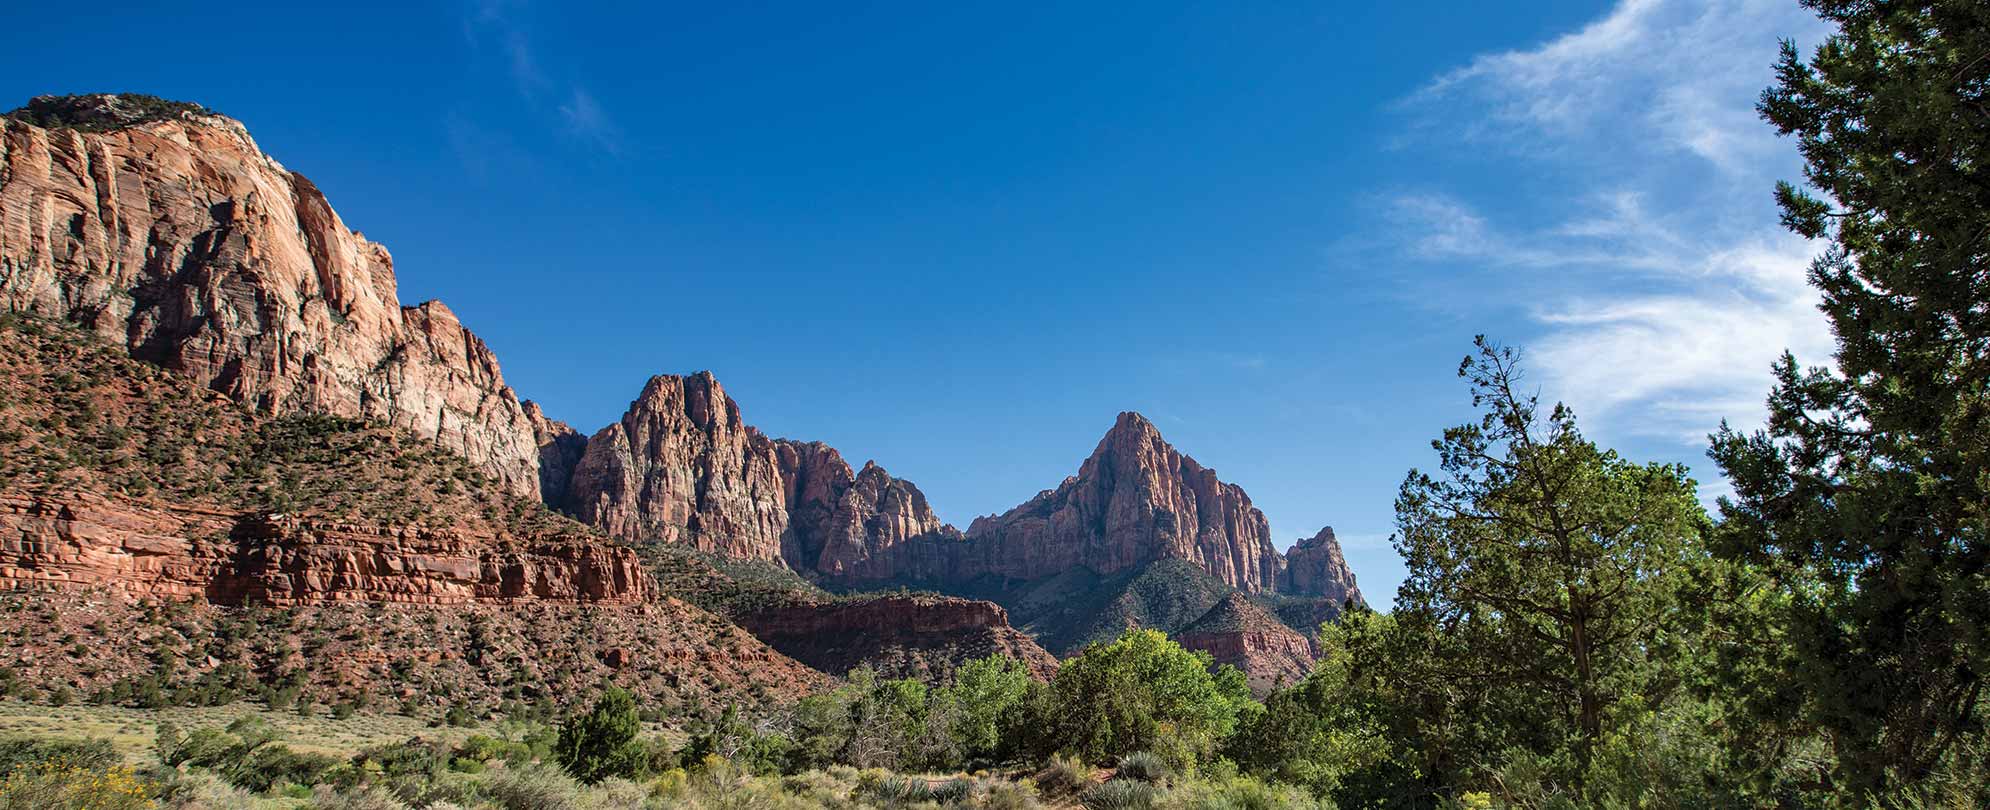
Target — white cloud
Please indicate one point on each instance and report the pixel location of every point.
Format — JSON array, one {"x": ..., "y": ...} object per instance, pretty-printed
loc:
[
  {"x": 1683, "y": 75},
  {"x": 1673, "y": 286}
]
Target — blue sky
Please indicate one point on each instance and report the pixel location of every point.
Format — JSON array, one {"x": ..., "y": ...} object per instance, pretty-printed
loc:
[{"x": 959, "y": 238}]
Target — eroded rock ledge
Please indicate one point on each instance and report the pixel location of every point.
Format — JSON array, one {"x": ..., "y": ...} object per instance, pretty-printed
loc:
[{"x": 85, "y": 541}]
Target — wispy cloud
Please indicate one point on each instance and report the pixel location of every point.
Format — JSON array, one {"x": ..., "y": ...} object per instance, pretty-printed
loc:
[
  {"x": 1682, "y": 74},
  {"x": 586, "y": 120},
  {"x": 1673, "y": 286},
  {"x": 501, "y": 25}
]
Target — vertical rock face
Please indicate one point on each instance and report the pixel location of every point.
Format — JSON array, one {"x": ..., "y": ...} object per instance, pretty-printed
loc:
[
  {"x": 681, "y": 467},
  {"x": 1315, "y": 567},
  {"x": 560, "y": 449},
  {"x": 1135, "y": 500},
  {"x": 175, "y": 236}
]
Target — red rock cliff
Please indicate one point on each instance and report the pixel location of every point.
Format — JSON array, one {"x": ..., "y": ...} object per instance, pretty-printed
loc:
[
  {"x": 177, "y": 238},
  {"x": 682, "y": 467},
  {"x": 1245, "y": 636},
  {"x": 1135, "y": 500},
  {"x": 902, "y": 635},
  {"x": 71, "y": 541}
]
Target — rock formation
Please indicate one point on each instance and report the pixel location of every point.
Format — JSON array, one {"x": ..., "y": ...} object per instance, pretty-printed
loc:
[
  {"x": 1315, "y": 567},
  {"x": 82, "y": 541},
  {"x": 682, "y": 467},
  {"x": 560, "y": 449},
  {"x": 173, "y": 235},
  {"x": 1245, "y": 636},
  {"x": 1135, "y": 500}
]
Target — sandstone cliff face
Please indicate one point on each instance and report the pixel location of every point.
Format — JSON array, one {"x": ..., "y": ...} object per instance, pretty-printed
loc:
[
  {"x": 1245, "y": 636},
  {"x": 180, "y": 240},
  {"x": 1315, "y": 567},
  {"x": 81, "y": 541},
  {"x": 682, "y": 467},
  {"x": 560, "y": 449},
  {"x": 1135, "y": 500}
]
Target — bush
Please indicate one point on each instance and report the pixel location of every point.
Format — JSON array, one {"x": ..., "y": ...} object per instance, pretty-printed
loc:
[
  {"x": 19, "y": 752},
  {"x": 602, "y": 743},
  {"x": 899, "y": 791},
  {"x": 1066, "y": 775},
  {"x": 532, "y": 788},
  {"x": 59, "y": 784},
  {"x": 1121, "y": 794},
  {"x": 357, "y": 797},
  {"x": 1142, "y": 766}
]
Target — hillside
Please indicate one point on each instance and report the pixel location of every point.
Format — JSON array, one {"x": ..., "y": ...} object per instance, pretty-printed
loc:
[{"x": 395, "y": 570}]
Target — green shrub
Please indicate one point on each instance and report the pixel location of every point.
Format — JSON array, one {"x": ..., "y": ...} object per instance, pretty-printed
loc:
[
  {"x": 20, "y": 752},
  {"x": 356, "y": 797},
  {"x": 64, "y": 785},
  {"x": 899, "y": 791},
  {"x": 1121, "y": 794},
  {"x": 531, "y": 788},
  {"x": 952, "y": 791},
  {"x": 1065, "y": 775},
  {"x": 1142, "y": 766},
  {"x": 602, "y": 743}
]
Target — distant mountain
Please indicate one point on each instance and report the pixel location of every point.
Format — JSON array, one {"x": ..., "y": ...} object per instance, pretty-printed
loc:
[
  {"x": 1142, "y": 536},
  {"x": 161, "y": 229}
]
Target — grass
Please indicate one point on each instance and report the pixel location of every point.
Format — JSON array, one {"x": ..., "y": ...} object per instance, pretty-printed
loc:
[{"x": 131, "y": 731}]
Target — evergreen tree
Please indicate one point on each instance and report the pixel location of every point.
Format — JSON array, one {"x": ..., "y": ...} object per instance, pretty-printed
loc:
[
  {"x": 1548, "y": 567},
  {"x": 602, "y": 743},
  {"x": 1867, "y": 497}
]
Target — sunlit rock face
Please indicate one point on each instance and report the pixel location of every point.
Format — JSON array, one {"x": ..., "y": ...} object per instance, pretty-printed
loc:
[{"x": 175, "y": 236}]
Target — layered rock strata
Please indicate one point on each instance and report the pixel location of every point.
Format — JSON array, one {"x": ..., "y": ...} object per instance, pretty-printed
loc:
[
  {"x": 81, "y": 541},
  {"x": 1243, "y": 635}
]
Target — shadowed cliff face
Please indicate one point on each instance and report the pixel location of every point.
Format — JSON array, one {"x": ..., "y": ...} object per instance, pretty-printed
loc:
[
  {"x": 167, "y": 231},
  {"x": 898, "y": 635}
]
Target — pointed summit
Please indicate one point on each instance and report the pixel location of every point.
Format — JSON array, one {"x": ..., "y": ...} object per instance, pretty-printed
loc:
[
  {"x": 1135, "y": 500},
  {"x": 1316, "y": 567}
]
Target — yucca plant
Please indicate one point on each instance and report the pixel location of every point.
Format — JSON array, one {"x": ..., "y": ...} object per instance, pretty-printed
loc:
[{"x": 1143, "y": 766}]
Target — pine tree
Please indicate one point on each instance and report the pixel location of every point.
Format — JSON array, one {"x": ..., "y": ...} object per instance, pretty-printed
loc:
[
  {"x": 1867, "y": 497},
  {"x": 1552, "y": 565}
]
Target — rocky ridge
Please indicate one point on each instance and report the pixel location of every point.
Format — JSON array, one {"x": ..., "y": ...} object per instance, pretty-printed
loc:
[
  {"x": 166, "y": 230},
  {"x": 683, "y": 467},
  {"x": 1246, "y": 636}
]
